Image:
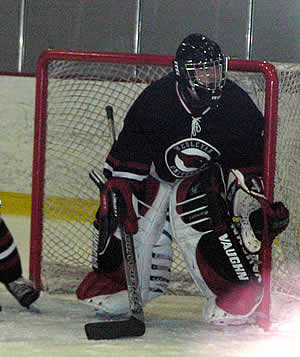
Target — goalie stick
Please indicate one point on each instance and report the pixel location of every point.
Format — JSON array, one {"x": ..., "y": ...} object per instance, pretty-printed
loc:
[{"x": 134, "y": 325}]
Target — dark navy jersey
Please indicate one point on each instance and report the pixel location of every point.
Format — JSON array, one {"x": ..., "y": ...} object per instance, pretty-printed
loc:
[{"x": 159, "y": 134}]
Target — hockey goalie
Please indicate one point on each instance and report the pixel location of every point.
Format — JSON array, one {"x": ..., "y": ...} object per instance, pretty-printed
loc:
[{"x": 187, "y": 166}]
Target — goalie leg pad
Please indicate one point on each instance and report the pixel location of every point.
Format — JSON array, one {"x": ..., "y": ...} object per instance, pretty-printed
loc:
[
  {"x": 234, "y": 300},
  {"x": 211, "y": 247},
  {"x": 215, "y": 310},
  {"x": 190, "y": 220},
  {"x": 162, "y": 258},
  {"x": 107, "y": 292},
  {"x": 152, "y": 242}
]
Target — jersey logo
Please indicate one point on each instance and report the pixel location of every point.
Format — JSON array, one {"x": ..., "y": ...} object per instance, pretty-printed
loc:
[{"x": 189, "y": 157}]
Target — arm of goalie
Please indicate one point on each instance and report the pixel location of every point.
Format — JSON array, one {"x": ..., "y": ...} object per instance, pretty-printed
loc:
[{"x": 253, "y": 210}]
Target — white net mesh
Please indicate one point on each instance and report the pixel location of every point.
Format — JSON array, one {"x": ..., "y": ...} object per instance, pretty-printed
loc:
[
  {"x": 286, "y": 251},
  {"x": 78, "y": 139}
]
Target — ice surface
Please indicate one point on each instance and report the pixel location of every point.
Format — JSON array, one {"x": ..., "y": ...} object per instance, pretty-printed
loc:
[{"x": 54, "y": 327}]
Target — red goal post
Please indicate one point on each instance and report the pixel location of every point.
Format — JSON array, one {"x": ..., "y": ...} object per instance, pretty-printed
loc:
[{"x": 113, "y": 79}]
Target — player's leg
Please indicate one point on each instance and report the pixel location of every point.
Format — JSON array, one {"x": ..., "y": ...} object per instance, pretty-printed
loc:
[
  {"x": 220, "y": 266},
  {"x": 11, "y": 269},
  {"x": 105, "y": 287}
]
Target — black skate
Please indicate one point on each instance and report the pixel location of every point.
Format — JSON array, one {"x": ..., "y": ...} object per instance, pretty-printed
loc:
[{"x": 24, "y": 291}]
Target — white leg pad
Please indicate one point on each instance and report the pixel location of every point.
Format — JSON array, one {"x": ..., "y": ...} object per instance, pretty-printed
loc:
[
  {"x": 150, "y": 240},
  {"x": 187, "y": 240},
  {"x": 162, "y": 258}
]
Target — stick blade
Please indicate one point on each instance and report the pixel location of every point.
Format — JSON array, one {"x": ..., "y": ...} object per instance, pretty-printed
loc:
[{"x": 108, "y": 330}]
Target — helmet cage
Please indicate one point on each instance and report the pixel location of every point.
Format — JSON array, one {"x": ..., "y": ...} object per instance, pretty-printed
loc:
[{"x": 210, "y": 76}]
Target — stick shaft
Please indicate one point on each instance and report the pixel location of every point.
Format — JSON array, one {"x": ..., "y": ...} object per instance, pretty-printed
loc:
[
  {"x": 111, "y": 121},
  {"x": 134, "y": 293}
]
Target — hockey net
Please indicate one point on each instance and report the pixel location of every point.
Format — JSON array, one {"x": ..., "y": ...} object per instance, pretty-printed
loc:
[{"x": 72, "y": 136}]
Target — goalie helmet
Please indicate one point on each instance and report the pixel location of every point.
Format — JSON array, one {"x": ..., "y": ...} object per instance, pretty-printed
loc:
[{"x": 200, "y": 68}]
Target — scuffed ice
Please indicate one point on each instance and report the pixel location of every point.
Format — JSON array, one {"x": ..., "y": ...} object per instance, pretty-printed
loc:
[{"x": 54, "y": 327}]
